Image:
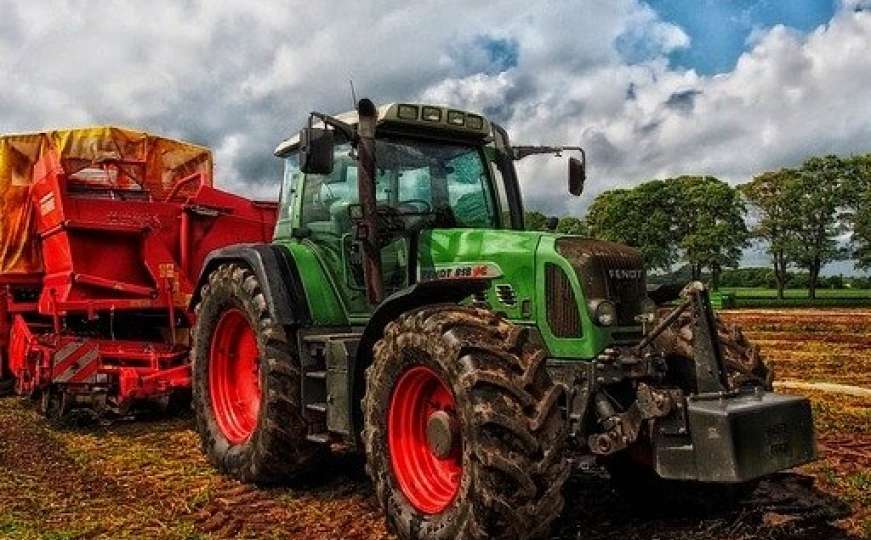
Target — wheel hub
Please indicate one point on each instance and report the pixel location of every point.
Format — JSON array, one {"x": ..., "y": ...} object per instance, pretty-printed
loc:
[
  {"x": 234, "y": 376},
  {"x": 424, "y": 442},
  {"x": 440, "y": 433}
]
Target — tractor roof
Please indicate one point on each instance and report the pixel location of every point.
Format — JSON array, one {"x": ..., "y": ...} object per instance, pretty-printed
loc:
[{"x": 413, "y": 115}]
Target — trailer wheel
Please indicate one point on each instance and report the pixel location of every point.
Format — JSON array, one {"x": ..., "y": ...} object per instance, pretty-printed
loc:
[
  {"x": 464, "y": 436},
  {"x": 54, "y": 403},
  {"x": 247, "y": 383}
]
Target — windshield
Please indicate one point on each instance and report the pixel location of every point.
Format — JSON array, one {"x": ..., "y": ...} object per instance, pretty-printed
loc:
[{"x": 446, "y": 181}]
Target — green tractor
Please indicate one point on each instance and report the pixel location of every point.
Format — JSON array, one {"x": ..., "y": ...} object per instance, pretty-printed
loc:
[{"x": 403, "y": 311}]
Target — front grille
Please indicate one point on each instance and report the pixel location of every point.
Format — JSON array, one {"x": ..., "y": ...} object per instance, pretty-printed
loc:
[
  {"x": 608, "y": 271},
  {"x": 563, "y": 316}
]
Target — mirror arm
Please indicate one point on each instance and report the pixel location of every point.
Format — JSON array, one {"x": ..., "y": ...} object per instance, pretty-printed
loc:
[
  {"x": 520, "y": 152},
  {"x": 343, "y": 127}
]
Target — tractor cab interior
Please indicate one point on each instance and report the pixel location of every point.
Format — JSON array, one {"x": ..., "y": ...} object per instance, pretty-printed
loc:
[{"x": 419, "y": 185}]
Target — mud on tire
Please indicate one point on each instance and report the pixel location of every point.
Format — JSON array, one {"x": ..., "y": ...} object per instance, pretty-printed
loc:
[
  {"x": 744, "y": 363},
  {"x": 512, "y": 431},
  {"x": 276, "y": 449}
]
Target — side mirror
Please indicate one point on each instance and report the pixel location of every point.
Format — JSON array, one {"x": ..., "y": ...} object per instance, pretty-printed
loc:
[
  {"x": 577, "y": 175},
  {"x": 316, "y": 150}
]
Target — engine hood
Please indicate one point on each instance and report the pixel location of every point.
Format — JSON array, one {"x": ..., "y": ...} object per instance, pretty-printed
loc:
[
  {"x": 505, "y": 257},
  {"x": 607, "y": 271}
]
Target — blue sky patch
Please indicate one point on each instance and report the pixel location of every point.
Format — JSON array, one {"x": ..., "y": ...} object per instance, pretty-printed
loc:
[
  {"x": 719, "y": 28},
  {"x": 503, "y": 54}
]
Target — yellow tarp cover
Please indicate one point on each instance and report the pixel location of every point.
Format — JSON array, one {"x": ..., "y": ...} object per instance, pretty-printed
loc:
[{"x": 136, "y": 160}]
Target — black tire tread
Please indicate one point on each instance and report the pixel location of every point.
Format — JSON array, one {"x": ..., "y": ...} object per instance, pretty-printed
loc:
[
  {"x": 516, "y": 451},
  {"x": 277, "y": 451}
]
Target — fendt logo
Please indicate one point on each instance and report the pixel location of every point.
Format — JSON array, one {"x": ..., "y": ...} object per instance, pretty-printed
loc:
[{"x": 617, "y": 273}]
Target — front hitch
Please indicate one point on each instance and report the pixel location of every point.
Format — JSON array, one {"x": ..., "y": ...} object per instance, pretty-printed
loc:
[
  {"x": 707, "y": 353},
  {"x": 724, "y": 435}
]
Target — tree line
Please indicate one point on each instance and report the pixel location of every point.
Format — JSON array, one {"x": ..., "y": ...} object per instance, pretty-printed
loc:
[{"x": 806, "y": 217}]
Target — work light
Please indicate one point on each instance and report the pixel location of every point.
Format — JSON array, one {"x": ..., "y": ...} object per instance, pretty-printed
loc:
[
  {"x": 407, "y": 112},
  {"x": 431, "y": 114}
]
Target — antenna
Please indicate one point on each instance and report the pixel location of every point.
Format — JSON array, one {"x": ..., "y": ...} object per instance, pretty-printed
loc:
[{"x": 353, "y": 94}]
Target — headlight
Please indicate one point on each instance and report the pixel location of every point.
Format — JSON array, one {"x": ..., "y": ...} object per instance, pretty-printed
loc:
[{"x": 604, "y": 312}]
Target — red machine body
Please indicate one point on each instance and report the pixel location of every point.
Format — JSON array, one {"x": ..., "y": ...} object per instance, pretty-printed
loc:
[{"x": 98, "y": 266}]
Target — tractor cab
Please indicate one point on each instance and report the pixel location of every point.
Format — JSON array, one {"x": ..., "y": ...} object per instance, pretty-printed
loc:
[{"x": 447, "y": 205}]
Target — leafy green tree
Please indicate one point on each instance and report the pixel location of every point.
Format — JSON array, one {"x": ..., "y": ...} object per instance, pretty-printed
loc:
[
  {"x": 535, "y": 221},
  {"x": 818, "y": 194},
  {"x": 642, "y": 217},
  {"x": 572, "y": 225},
  {"x": 710, "y": 224},
  {"x": 858, "y": 199},
  {"x": 769, "y": 197}
]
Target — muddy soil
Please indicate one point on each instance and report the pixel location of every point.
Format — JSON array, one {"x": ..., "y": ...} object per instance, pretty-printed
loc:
[{"x": 147, "y": 478}]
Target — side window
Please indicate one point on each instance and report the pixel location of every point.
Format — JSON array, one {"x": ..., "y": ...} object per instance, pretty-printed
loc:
[
  {"x": 468, "y": 192},
  {"x": 502, "y": 196},
  {"x": 292, "y": 179}
]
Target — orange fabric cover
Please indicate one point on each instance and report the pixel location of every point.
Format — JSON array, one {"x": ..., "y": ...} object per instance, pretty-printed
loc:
[{"x": 142, "y": 161}]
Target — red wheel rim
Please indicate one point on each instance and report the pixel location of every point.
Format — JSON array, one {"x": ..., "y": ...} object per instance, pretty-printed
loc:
[
  {"x": 429, "y": 482},
  {"x": 234, "y": 376}
]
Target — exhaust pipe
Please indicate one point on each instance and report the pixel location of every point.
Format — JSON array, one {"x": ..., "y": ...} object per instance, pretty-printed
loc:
[{"x": 366, "y": 187}]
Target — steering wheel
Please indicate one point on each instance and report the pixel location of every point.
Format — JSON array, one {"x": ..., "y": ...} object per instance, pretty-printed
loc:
[{"x": 420, "y": 206}]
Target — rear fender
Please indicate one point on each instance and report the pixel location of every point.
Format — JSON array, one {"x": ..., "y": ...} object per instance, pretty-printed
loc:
[{"x": 275, "y": 270}]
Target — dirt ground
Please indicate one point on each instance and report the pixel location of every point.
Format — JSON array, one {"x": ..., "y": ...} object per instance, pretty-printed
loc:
[{"x": 147, "y": 478}]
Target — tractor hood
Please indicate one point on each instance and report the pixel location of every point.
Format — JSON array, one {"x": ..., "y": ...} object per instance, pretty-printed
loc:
[
  {"x": 516, "y": 262},
  {"x": 507, "y": 258}
]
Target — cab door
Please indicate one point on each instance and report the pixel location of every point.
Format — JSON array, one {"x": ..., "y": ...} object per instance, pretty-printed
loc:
[{"x": 326, "y": 224}]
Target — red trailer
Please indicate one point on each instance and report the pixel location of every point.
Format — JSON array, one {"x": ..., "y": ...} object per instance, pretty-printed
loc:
[{"x": 102, "y": 235}]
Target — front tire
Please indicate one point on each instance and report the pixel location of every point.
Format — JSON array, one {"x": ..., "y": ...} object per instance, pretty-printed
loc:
[
  {"x": 247, "y": 383},
  {"x": 463, "y": 433},
  {"x": 631, "y": 470}
]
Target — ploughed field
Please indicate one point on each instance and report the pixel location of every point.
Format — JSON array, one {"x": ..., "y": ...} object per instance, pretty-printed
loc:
[{"x": 147, "y": 478}]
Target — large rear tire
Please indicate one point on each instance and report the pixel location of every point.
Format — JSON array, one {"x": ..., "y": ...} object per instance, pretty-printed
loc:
[
  {"x": 247, "y": 383},
  {"x": 463, "y": 433}
]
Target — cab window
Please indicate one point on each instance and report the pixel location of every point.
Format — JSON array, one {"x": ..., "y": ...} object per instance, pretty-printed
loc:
[
  {"x": 447, "y": 182},
  {"x": 292, "y": 179}
]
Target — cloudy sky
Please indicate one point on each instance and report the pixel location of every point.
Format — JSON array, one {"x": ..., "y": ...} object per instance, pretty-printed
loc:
[{"x": 651, "y": 89}]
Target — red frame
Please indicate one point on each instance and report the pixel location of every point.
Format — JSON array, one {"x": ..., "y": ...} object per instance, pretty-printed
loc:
[{"x": 110, "y": 251}]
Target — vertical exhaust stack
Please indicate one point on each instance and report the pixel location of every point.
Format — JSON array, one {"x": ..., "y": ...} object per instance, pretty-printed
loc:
[{"x": 368, "y": 115}]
